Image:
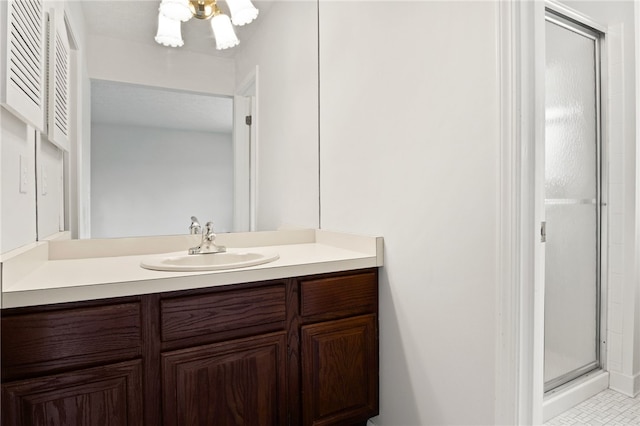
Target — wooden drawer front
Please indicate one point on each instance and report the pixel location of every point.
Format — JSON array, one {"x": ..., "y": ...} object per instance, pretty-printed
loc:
[
  {"x": 337, "y": 296},
  {"x": 56, "y": 340},
  {"x": 193, "y": 316}
]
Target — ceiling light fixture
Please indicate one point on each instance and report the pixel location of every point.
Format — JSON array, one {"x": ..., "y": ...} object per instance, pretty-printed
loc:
[{"x": 173, "y": 12}]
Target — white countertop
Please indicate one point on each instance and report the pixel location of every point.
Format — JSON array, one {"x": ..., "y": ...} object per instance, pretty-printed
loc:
[{"x": 67, "y": 271}]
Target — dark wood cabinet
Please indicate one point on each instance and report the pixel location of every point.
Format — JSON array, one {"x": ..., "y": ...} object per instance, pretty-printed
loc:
[
  {"x": 73, "y": 364},
  {"x": 339, "y": 349},
  {"x": 241, "y": 382},
  {"x": 109, "y": 395},
  {"x": 68, "y": 337},
  {"x": 298, "y": 351},
  {"x": 339, "y": 364}
]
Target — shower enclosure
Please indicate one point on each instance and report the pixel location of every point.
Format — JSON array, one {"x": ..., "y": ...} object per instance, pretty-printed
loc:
[{"x": 572, "y": 202}]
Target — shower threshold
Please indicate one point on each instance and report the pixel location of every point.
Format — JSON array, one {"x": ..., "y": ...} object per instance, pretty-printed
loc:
[{"x": 567, "y": 396}]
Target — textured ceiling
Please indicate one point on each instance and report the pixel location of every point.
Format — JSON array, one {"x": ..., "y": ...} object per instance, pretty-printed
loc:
[{"x": 129, "y": 104}]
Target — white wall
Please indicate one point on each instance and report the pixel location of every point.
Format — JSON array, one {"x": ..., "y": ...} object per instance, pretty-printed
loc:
[
  {"x": 50, "y": 159},
  {"x": 17, "y": 165},
  {"x": 285, "y": 47},
  {"x": 637, "y": 277},
  {"x": 148, "y": 181},
  {"x": 19, "y": 210},
  {"x": 18, "y": 214},
  {"x": 78, "y": 182},
  {"x": 50, "y": 188},
  {"x": 409, "y": 150},
  {"x": 154, "y": 65}
]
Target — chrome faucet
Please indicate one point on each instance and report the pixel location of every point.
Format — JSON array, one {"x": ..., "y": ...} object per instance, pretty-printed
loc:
[{"x": 207, "y": 244}]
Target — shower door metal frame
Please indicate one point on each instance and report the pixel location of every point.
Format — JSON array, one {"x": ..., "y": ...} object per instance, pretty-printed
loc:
[{"x": 578, "y": 24}]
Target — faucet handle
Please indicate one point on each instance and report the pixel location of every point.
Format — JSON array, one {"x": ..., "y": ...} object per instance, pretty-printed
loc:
[
  {"x": 208, "y": 231},
  {"x": 195, "y": 227}
]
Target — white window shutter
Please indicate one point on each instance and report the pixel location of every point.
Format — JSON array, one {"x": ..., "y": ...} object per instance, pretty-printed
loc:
[
  {"x": 24, "y": 73},
  {"x": 58, "y": 63}
]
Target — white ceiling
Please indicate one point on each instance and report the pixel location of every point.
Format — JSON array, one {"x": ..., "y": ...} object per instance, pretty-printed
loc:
[{"x": 130, "y": 104}]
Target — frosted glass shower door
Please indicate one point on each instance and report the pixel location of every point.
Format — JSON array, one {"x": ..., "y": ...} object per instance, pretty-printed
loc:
[{"x": 572, "y": 200}]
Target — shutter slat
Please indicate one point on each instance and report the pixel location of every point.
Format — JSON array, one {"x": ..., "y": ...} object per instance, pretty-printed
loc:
[
  {"x": 26, "y": 84},
  {"x": 59, "y": 54},
  {"x": 27, "y": 50},
  {"x": 26, "y": 58},
  {"x": 25, "y": 53},
  {"x": 29, "y": 25}
]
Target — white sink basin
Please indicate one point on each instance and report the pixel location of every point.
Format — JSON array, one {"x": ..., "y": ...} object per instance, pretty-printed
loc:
[{"x": 231, "y": 259}]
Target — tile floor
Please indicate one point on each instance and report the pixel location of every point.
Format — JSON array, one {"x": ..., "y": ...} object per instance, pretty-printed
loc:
[{"x": 608, "y": 408}]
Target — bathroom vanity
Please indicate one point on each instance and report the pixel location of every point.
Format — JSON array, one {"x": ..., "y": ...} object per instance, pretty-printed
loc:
[{"x": 295, "y": 349}]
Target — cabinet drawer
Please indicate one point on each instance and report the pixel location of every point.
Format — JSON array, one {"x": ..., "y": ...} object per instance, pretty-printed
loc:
[
  {"x": 192, "y": 316},
  {"x": 57, "y": 340},
  {"x": 338, "y": 296}
]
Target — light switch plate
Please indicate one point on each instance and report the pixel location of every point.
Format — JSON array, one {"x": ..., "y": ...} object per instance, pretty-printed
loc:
[{"x": 24, "y": 174}]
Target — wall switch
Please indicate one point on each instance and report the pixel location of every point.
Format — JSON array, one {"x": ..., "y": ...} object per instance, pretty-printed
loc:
[
  {"x": 24, "y": 175},
  {"x": 45, "y": 183}
]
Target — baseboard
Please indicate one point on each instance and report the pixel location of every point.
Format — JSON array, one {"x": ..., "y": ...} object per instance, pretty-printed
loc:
[
  {"x": 567, "y": 398},
  {"x": 628, "y": 385}
]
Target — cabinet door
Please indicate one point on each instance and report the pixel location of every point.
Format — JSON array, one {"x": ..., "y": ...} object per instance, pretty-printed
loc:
[
  {"x": 340, "y": 371},
  {"x": 23, "y": 71},
  {"x": 102, "y": 396},
  {"x": 240, "y": 382},
  {"x": 58, "y": 84}
]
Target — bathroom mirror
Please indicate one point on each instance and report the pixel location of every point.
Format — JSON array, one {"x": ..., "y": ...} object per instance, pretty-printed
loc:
[
  {"x": 271, "y": 76},
  {"x": 159, "y": 156}
]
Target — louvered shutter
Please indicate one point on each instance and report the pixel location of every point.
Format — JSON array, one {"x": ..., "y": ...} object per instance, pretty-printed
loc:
[
  {"x": 58, "y": 81},
  {"x": 23, "y": 80}
]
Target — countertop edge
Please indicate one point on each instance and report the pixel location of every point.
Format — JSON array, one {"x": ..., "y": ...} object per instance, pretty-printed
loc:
[{"x": 24, "y": 298}]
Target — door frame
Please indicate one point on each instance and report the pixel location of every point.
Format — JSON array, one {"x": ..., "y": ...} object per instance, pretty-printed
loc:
[
  {"x": 563, "y": 17},
  {"x": 246, "y": 152},
  {"x": 519, "y": 386}
]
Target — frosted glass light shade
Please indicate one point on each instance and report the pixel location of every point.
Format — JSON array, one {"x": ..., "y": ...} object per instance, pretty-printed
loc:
[
  {"x": 242, "y": 11},
  {"x": 223, "y": 32},
  {"x": 169, "y": 33},
  {"x": 176, "y": 9}
]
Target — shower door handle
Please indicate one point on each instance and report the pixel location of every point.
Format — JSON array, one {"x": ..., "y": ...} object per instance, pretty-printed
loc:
[{"x": 543, "y": 232}]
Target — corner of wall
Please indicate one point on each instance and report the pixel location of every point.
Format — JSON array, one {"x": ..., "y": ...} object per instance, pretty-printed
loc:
[
  {"x": 637, "y": 191},
  {"x": 626, "y": 384}
]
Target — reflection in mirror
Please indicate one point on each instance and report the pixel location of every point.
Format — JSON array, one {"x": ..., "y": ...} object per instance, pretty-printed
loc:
[
  {"x": 158, "y": 157},
  {"x": 272, "y": 75}
]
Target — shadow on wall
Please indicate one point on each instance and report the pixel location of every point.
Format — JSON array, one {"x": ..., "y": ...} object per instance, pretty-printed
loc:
[{"x": 402, "y": 393}]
